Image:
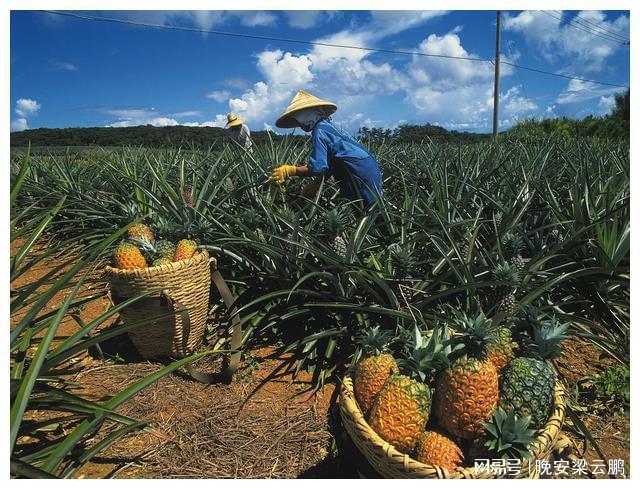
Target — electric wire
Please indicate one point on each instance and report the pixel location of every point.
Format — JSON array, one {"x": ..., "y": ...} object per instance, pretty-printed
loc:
[
  {"x": 97, "y": 18},
  {"x": 586, "y": 23}
]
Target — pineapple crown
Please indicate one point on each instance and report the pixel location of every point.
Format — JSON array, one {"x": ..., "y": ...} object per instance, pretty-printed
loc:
[
  {"x": 504, "y": 272},
  {"x": 251, "y": 218},
  {"x": 509, "y": 437},
  {"x": 374, "y": 341},
  {"x": 512, "y": 244},
  {"x": 402, "y": 259},
  {"x": 476, "y": 334},
  {"x": 427, "y": 355},
  {"x": 547, "y": 338},
  {"x": 526, "y": 321},
  {"x": 335, "y": 222}
]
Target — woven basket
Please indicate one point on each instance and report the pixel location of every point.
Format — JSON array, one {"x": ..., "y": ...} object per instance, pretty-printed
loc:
[
  {"x": 182, "y": 285},
  {"x": 392, "y": 464}
]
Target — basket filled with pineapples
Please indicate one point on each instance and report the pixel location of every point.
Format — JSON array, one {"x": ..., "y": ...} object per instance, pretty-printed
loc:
[
  {"x": 174, "y": 280},
  {"x": 454, "y": 402}
]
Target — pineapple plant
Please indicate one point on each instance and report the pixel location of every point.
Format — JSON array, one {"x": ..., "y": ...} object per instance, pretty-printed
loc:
[
  {"x": 503, "y": 298},
  {"x": 467, "y": 391},
  {"x": 401, "y": 410},
  {"x": 528, "y": 382},
  {"x": 402, "y": 261},
  {"x": 512, "y": 245},
  {"x": 185, "y": 249},
  {"x": 508, "y": 436},
  {"x": 372, "y": 371},
  {"x": 435, "y": 448},
  {"x": 127, "y": 256},
  {"x": 335, "y": 226},
  {"x": 251, "y": 219},
  {"x": 140, "y": 231},
  {"x": 229, "y": 185}
]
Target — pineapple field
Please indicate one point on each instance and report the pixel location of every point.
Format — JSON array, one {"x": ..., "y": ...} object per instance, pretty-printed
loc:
[{"x": 479, "y": 311}]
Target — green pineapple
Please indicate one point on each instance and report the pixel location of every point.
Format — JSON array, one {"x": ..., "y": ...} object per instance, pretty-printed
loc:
[
  {"x": 402, "y": 261},
  {"x": 251, "y": 219},
  {"x": 334, "y": 227},
  {"x": 528, "y": 382},
  {"x": 508, "y": 436},
  {"x": 512, "y": 245},
  {"x": 229, "y": 185},
  {"x": 504, "y": 299}
]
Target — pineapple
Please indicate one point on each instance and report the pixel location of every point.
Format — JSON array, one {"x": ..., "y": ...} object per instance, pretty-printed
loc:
[
  {"x": 504, "y": 299},
  {"x": 165, "y": 249},
  {"x": 512, "y": 246},
  {"x": 229, "y": 185},
  {"x": 162, "y": 261},
  {"x": 128, "y": 257},
  {"x": 528, "y": 382},
  {"x": 335, "y": 225},
  {"x": 401, "y": 410},
  {"x": 372, "y": 372},
  {"x": 434, "y": 448},
  {"x": 185, "y": 249},
  {"x": 508, "y": 436},
  {"x": 140, "y": 231},
  {"x": 500, "y": 348},
  {"x": 402, "y": 261},
  {"x": 467, "y": 391},
  {"x": 187, "y": 195}
]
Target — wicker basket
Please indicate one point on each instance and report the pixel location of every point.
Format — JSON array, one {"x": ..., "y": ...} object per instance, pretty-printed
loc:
[
  {"x": 392, "y": 464},
  {"x": 181, "y": 286}
]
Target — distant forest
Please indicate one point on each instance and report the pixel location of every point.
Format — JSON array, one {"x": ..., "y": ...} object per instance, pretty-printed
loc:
[{"x": 614, "y": 125}]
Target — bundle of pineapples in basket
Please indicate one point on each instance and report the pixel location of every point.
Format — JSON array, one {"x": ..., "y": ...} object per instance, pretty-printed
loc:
[
  {"x": 141, "y": 250},
  {"x": 465, "y": 391}
]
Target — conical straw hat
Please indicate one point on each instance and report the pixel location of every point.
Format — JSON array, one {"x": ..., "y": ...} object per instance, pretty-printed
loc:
[
  {"x": 233, "y": 120},
  {"x": 303, "y": 100}
]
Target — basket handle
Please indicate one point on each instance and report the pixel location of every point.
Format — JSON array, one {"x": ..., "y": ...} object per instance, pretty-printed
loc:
[
  {"x": 178, "y": 308},
  {"x": 236, "y": 335}
]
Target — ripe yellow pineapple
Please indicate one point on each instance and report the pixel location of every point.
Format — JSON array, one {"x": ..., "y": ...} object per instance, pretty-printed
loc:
[
  {"x": 128, "y": 257},
  {"x": 467, "y": 391},
  {"x": 185, "y": 249},
  {"x": 401, "y": 410},
  {"x": 372, "y": 371},
  {"x": 500, "y": 348},
  {"x": 436, "y": 449},
  {"x": 140, "y": 231}
]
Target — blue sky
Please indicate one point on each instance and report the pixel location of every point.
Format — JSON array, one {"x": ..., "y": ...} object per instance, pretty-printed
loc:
[{"x": 73, "y": 73}]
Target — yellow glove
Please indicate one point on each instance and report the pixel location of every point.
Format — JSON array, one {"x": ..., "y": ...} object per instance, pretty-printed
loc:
[{"x": 280, "y": 174}]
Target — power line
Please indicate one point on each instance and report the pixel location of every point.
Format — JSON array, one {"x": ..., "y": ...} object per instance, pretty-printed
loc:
[
  {"x": 570, "y": 23},
  {"x": 252, "y": 36},
  {"x": 302, "y": 41},
  {"x": 524, "y": 91},
  {"x": 587, "y": 23},
  {"x": 563, "y": 76}
]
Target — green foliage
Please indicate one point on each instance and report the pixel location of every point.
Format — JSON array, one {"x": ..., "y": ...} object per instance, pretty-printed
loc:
[{"x": 611, "y": 386}]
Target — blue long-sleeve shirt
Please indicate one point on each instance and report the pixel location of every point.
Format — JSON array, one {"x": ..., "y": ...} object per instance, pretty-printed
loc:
[{"x": 337, "y": 153}]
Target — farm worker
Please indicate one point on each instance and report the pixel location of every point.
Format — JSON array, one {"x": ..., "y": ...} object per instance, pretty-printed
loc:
[
  {"x": 238, "y": 131},
  {"x": 334, "y": 151}
]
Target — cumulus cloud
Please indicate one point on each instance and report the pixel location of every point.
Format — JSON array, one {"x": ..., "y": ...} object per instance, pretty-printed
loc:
[
  {"x": 558, "y": 39},
  {"x": 579, "y": 91},
  {"x": 19, "y": 124},
  {"x": 27, "y": 107},
  {"x": 142, "y": 116},
  {"x": 605, "y": 104},
  {"x": 219, "y": 95}
]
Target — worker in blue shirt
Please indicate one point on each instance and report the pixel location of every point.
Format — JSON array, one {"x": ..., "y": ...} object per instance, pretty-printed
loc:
[{"x": 334, "y": 152}]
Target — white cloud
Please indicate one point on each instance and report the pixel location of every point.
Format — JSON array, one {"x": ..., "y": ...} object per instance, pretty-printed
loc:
[
  {"x": 153, "y": 121},
  {"x": 63, "y": 65},
  {"x": 219, "y": 121},
  {"x": 555, "y": 39},
  {"x": 219, "y": 95},
  {"x": 186, "y": 113},
  {"x": 579, "y": 91},
  {"x": 515, "y": 104},
  {"x": 605, "y": 104},
  {"x": 27, "y": 107},
  {"x": 19, "y": 124},
  {"x": 305, "y": 19},
  {"x": 254, "y": 19}
]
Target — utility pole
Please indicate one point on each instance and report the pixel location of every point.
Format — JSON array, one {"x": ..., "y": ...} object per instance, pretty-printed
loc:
[{"x": 496, "y": 82}]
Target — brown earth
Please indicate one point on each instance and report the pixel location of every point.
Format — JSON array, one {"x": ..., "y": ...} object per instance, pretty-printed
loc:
[{"x": 265, "y": 424}]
